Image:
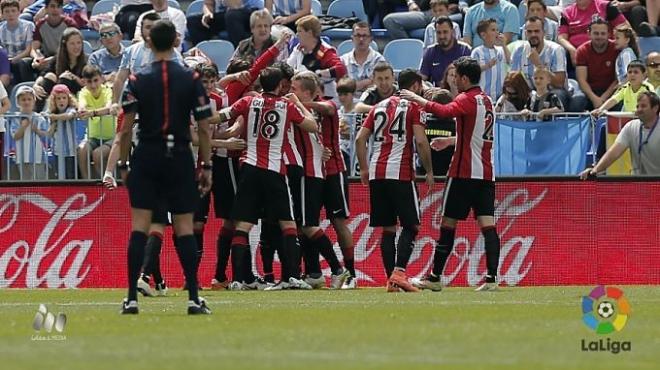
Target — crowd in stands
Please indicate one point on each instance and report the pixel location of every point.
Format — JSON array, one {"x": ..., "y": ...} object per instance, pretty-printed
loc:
[{"x": 538, "y": 57}]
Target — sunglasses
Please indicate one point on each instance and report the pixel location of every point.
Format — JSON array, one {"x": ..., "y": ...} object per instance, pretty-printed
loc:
[
  {"x": 109, "y": 34},
  {"x": 653, "y": 65}
]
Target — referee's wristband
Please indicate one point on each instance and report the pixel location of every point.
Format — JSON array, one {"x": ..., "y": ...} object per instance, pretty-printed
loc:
[
  {"x": 206, "y": 166},
  {"x": 122, "y": 165}
]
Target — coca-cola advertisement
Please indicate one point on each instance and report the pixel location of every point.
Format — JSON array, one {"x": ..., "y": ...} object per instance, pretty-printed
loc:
[{"x": 552, "y": 233}]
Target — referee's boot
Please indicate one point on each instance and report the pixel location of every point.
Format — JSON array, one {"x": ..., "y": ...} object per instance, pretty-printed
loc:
[
  {"x": 198, "y": 308},
  {"x": 489, "y": 285},
  {"x": 129, "y": 307}
]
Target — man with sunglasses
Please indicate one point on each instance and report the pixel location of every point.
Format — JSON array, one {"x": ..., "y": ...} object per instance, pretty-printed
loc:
[
  {"x": 653, "y": 69},
  {"x": 362, "y": 59},
  {"x": 108, "y": 58}
]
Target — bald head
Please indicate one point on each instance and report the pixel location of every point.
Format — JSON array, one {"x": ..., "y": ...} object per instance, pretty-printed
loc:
[{"x": 653, "y": 68}]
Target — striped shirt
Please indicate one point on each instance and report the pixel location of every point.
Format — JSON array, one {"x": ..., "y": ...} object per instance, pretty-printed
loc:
[
  {"x": 18, "y": 39},
  {"x": 31, "y": 148},
  {"x": 492, "y": 79},
  {"x": 626, "y": 56},
  {"x": 363, "y": 71},
  {"x": 286, "y": 7},
  {"x": 553, "y": 56},
  {"x": 65, "y": 136}
]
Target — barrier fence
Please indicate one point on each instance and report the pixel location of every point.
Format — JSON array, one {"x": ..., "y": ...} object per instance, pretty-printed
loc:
[{"x": 553, "y": 232}]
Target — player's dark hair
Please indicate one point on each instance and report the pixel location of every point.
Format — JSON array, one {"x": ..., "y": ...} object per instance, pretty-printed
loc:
[
  {"x": 469, "y": 67},
  {"x": 346, "y": 85},
  {"x": 238, "y": 65},
  {"x": 444, "y": 20},
  {"x": 407, "y": 78},
  {"x": 654, "y": 99},
  {"x": 286, "y": 69},
  {"x": 163, "y": 35},
  {"x": 90, "y": 71},
  {"x": 270, "y": 79},
  {"x": 442, "y": 96},
  {"x": 207, "y": 70}
]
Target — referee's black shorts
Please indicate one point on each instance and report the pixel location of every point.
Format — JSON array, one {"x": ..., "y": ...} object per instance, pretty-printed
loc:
[
  {"x": 462, "y": 195},
  {"x": 157, "y": 181},
  {"x": 262, "y": 190},
  {"x": 392, "y": 199}
]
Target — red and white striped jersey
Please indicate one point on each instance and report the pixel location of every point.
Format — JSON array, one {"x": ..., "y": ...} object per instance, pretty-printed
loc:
[
  {"x": 475, "y": 121},
  {"x": 391, "y": 123},
  {"x": 267, "y": 119},
  {"x": 310, "y": 145},
  {"x": 330, "y": 131},
  {"x": 219, "y": 101},
  {"x": 292, "y": 155}
]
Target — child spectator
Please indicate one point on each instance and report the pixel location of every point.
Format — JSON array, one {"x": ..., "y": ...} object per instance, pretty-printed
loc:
[
  {"x": 94, "y": 103},
  {"x": 626, "y": 41},
  {"x": 542, "y": 101},
  {"x": 448, "y": 81},
  {"x": 515, "y": 96},
  {"x": 491, "y": 57},
  {"x": 16, "y": 38},
  {"x": 438, "y": 9},
  {"x": 346, "y": 88},
  {"x": 629, "y": 91},
  {"x": 62, "y": 108},
  {"x": 29, "y": 135},
  {"x": 539, "y": 9}
]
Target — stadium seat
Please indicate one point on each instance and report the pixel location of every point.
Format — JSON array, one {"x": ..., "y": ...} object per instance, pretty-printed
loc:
[
  {"x": 103, "y": 6},
  {"x": 417, "y": 34},
  {"x": 195, "y": 8},
  {"x": 174, "y": 4},
  {"x": 87, "y": 47},
  {"x": 345, "y": 8},
  {"x": 405, "y": 53},
  {"x": 220, "y": 51},
  {"x": 12, "y": 95},
  {"x": 647, "y": 45},
  {"x": 317, "y": 8},
  {"x": 347, "y": 45}
]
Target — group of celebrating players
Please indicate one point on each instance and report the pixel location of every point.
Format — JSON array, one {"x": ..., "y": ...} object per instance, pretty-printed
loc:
[{"x": 275, "y": 157}]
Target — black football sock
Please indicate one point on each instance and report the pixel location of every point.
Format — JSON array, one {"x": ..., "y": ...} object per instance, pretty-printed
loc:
[
  {"x": 154, "y": 239},
  {"x": 289, "y": 254},
  {"x": 311, "y": 256},
  {"x": 443, "y": 249},
  {"x": 349, "y": 259},
  {"x": 387, "y": 251},
  {"x": 155, "y": 259},
  {"x": 492, "y": 246},
  {"x": 186, "y": 249},
  {"x": 324, "y": 245},
  {"x": 239, "y": 248},
  {"x": 266, "y": 249},
  {"x": 249, "y": 277},
  {"x": 223, "y": 250},
  {"x": 135, "y": 257},
  {"x": 405, "y": 245}
]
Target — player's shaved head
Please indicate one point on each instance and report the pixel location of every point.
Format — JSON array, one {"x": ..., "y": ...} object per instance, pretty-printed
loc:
[{"x": 163, "y": 35}]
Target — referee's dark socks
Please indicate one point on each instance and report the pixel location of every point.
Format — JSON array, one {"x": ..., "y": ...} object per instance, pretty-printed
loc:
[
  {"x": 136, "y": 245},
  {"x": 290, "y": 254},
  {"x": 349, "y": 259},
  {"x": 239, "y": 248},
  {"x": 324, "y": 245},
  {"x": 387, "y": 251},
  {"x": 311, "y": 254},
  {"x": 405, "y": 245},
  {"x": 151, "y": 265},
  {"x": 249, "y": 277},
  {"x": 186, "y": 248},
  {"x": 223, "y": 249},
  {"x": 492, "y": 246},
  {"x": 443, "y": 249},
  {"x": 267, "y": 251},
  {"x": 199, "y": 238}
]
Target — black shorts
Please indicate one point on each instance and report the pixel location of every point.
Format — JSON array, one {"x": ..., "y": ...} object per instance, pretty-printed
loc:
[
  {"x": 225, "y": 185},
  {"x": 461, "y": 195},
  {"x": 392, "y": 199},
  {"x": 311, "y": 200},
  {"x": 160, "y": 216},
  {"x": 335, "y": 196},
  {"x": 262, "y": 190},
  {"x": 157, "y": 181},
  {"x": 202, "y": 211},
  {"x": 294, "y": 175}
]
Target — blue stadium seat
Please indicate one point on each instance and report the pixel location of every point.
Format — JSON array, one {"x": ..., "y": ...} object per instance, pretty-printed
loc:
[
  {"x": 220, "y": 51},
  {"x": 347, "y": 45},
  {"x": 405, "y": 53},
  {"x": 195, "y": 8},
  {"x": 647, "y": 45},
  {"x": 12, "y": 95},
  {"x": 103, "y": 6},
  {"x": 317, "y": 8},
  {"x": 417, "y": 34},
  {"x": 87, "y": 47},
  {"x": 345, "y": 8},
  {"x": 174, "y": 4}
]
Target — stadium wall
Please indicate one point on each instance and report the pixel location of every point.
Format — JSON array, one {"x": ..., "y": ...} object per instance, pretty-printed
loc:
[{"x": 553, "y": 232}]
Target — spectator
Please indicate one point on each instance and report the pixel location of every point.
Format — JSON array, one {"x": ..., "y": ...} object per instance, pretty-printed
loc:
[
  {"x": 288, "y": 12},
  {"x": 539, "y": 9},
  {"x": 595, "y": 68},
  {"x": 261, "y": 23},
  {"x": 16, "y": 38},
  {"x": 515, "y": 95},
  {"x": 74, "y": 9},
  {"x": 625, "y": 41},
  {"x": 95, "y": 101},
  {"x": 575, "y": 21},
  {"x": 346, "y": 88},
  {"x": 491, "y": 58},
  {"x": 312, "y": 54},
  {"x": 629, "y": 92},
  {"x": 634, "y": 11},
  {"x": 48, "y": 35},
  {"x": 360, "y": 61},
  {"x": 129, "y": 12},
  {"x": 108, "y": 58},
  {"x": 29, "y": 135},
  {"x": 439, "y": 8},
  {"x": 66, "y": 70},
  {"x": 384, "y": 88},
  {"x": 176, "y": 16},
  {"x": 232, "y": 16},
  {"x": 542, "y": 101},
  {"x": 636, "y": 136},
  {"x": 540, "y": 52},
  {"x": 505, "y": 13},
  {"x": 62, "y": 108},
  {"x": 5, "y": 68},
  {"x": 445, "y": 51},
  {"x": 653, "y": 67},
  {"x": 4, "y": 107},
  {"x": 448, "y": 81}
]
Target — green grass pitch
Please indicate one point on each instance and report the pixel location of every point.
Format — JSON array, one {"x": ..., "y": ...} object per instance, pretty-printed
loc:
[{"x": 515, "y": 328}]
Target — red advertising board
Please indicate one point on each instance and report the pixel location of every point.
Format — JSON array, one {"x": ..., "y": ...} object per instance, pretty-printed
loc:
[{"x": 552, "y": 233}]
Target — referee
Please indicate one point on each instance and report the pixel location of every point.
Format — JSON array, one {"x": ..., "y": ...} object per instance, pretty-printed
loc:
[{"x": 162, "y": 172}]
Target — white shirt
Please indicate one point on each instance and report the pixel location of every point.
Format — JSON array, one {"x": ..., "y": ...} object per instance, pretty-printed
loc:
[
  {"x": 358, "y": 71},
  {"x": 175, "y": 15}
]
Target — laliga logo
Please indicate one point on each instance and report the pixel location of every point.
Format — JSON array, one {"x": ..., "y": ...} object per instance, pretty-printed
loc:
[
  {"x": 47, "y": 321},
  {"x": 604, "y": 311}
]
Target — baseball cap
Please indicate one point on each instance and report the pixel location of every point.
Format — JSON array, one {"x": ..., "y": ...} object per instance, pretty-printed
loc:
[{"x": 24, "y": 90}]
